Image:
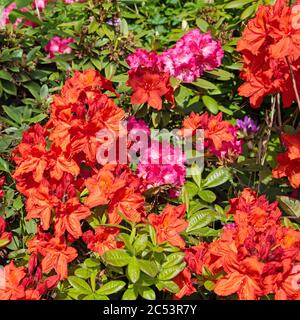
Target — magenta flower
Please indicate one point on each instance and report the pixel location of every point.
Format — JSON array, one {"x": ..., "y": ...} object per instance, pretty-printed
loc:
[
  {"x": 162, "y": 164},
  {"x": 134, "y": 125},
  {"x": 4, "y": 18},
  {"x": 142, "y": 58},
  {"x": 40, "y": 4},
  {"x": 59, "y": 45},
  {"x": 193, "y": 54}
]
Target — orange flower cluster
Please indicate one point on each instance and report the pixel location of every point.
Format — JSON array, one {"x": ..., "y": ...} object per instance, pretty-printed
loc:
[
  {"x": 270, "y": 47},
  {"x": 56, "y": 162},
  {"x": 220, "y": 137},
  {"x": 169, "y": 224},
  {"x": 22, "y": 283},
  {"x": 289, "y": 161},
  {"x": 254, "y": 257}
]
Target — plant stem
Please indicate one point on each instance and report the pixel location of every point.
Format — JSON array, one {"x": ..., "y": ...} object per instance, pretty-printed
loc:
[
  {"x": 278, "y": 110},
  {"x": 293, "y": 81}
]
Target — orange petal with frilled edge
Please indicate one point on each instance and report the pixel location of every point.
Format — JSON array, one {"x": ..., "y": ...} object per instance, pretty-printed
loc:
[
  {"x": 249, "y": 290},
  {"x": 229, "y": 284}
]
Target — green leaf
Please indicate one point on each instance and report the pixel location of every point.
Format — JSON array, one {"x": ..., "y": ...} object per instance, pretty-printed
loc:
[
  {"x": 204, "y": 84},
  {"x": 216, "y": 178},
  {"x": 191, "y": 188},
  {"x": 172, "y": 272},
  {"x": 13, "y": 113},
  {"x": 117, "y": 257},
  {"x": 149, "y": 267},
  {"x": 18, "y": 203},
  {"x": 4, "y": 165},
  {"x": 140, "y": 243},
  {"x": 124, "y": 27},
  {"x": 152, "y": 234},
  {"x": 133, "y": 270},
  {"x": 207, "y": 196},
  {"x": 200, "y": 220},
  {"x": 169, "y": 285},
  {"x": 9, "y": 87},
  {"x": 92, "y": 263},
  {"x": 209, "y": 285},
  {"x": 147, "y": 293},
  {"x": 5, "y": 75},
  {"x": 211, "y": 104},
  {"x": 33, "y": 88},
  {"x": 21, "y": 14},
  {"x": 44, "y": 91},
  {"x": 206, "y": 232},
  {"x": 248, "y": 11},
  {"x": 111, "y": 287},
  {"x": 130, "y": 294},
  {"x": 202, "y": 24},
  {"x": 173, "y": 259},
  {"x": 96, "y": 63},
  {"x": 83, "y": 273},
  {"x": 197, "y": 174},
  {"x": 80, "y": 285},
  {"x": 237, "y": 4},
  {"x": 289, "y": 205}
]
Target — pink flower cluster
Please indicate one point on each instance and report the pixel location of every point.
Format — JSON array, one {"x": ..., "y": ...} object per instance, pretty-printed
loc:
[
  {"x": 193, "y": 54},
  {"x": 4, "y": 18},
  {"x": 162, "y": 164},
  {"x": 136, "y": 126},
  {"x": 60, "y": 45},
  {"x": 40, "y": 4}
]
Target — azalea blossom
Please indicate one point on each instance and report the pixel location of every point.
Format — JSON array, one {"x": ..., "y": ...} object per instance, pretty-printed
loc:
[
  {"x": 102, "y": 240},
  {"x": 192, "y": 55},
  {"x": 288, "y": 163},
  {"x": 169, "y": 224},
  {"x": 59, "y": 45},
  {"x": 255, "y": 256},
  {"x": 162, "y": 164},
  {"x": 268, "y": 44},
  {"x": 220, "y": 137}
]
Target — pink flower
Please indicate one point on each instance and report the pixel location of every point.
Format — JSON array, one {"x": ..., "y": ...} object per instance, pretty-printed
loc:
[
  {"x": 60, "y": 45},
  {"x": 141, "y": 58},
  {"x": 134, "y": 125},
  {"x": 193, "y": 54},
  {"x": 4, "y": 18},
  {"x": 40, "y": 4},
  {"x": 162, "y": 164}
]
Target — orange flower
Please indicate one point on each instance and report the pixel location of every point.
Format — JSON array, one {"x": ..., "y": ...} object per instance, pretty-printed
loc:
[
  {"x": 149, "y": 87},
  {"x": 216, "y": 131},
  {"x": 289, "y": 162},
  {"x": 40, "y": 204},
  {"x": 103, "y": 240},
  {"x": 255, "y": 256},
  {"x": 55, "y": 252},
  {"x": 185, "y": 283},
  {"x": 12, "y": 288},
  {"x": 169, "y": 224},
  {"x": 102, "y": 187},
  {"x": 109, "y": 188},
  {"x": 68, "y": 217}
]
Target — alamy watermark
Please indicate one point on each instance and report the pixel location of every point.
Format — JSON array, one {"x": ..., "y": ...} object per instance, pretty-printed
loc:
[{"x": 161, "y": 147}]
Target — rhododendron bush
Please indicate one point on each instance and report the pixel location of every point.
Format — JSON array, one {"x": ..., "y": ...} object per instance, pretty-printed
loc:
[{"x": 149, "y": 150}]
